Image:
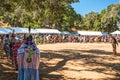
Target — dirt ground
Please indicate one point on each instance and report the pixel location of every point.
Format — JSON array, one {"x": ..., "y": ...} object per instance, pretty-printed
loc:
[{"x": 72, "y": 61}]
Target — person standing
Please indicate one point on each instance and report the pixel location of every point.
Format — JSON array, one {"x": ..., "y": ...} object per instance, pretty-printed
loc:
[
  {"x": 28, "y": 59},
  {"x": 12, "y": 43},
  {"x": 16, "y": 46},
  {"x": 114, "y": 44},
  {"x": 7, "y": 46}
]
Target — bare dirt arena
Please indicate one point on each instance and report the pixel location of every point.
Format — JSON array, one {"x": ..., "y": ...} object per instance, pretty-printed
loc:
[{"x": 72, "y": 61}]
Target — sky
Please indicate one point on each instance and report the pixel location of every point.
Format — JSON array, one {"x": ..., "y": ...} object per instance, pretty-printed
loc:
[{"x": 85, "y": 6}]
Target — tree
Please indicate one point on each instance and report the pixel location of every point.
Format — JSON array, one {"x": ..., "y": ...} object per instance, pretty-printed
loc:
[
  {"x": 37, "y": 13},
  {"x": 106, "y": 21},
  {"x": 89, "y": 20},
  {"x": 110, "y": 18},
  {"x": 70, "y": 18}
]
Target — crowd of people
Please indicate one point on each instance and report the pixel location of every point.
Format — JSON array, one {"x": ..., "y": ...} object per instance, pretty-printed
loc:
[
  {"x": 23, "y": 53},
  {"x": 53, "y": 38},
  {"x": 11, "y": 42}
]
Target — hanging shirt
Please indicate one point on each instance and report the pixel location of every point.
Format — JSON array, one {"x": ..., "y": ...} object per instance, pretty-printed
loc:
[{"x": 28, "y": 70}]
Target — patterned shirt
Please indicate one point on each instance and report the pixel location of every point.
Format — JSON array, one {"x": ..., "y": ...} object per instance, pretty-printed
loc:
[{"x": 28, "y": 71}]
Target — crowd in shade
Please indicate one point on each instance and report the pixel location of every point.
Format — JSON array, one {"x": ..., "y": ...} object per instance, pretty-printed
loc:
[
  {"x": 10, "y": 44},
  {"x": 12, "y": 41},
  {"x": 21, "y": 48},
  {"x": 53, "y": 38},
  {"x": 23, "y": 54}
]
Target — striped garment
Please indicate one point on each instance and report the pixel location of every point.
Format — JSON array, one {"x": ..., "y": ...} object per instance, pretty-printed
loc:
[{"x": 28, "y": 71}]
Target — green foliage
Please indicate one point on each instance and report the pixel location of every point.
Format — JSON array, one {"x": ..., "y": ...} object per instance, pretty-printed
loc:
[
  {"x": 57, "y": 14},
  {"x": 90, "y": 20},
  {"x": 106, "y": 21},
  {"x": 35, "y": 13},
  {"x": 109, "y": 18}
]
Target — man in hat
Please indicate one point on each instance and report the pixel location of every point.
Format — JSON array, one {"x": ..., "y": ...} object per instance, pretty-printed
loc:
[{"x": 28, "y": 59}]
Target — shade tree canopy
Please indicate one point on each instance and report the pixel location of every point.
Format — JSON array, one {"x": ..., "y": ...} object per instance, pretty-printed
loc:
[{"x": 57, "y": 14}]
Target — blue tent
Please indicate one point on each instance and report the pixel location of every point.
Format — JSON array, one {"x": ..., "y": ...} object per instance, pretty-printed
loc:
[
  {"x": 75, "y": 33},
  {"x": 104, "y": 34}
]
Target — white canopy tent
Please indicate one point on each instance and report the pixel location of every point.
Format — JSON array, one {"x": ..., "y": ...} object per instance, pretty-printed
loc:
[
  {"x": 90, "y": 33},
  {"x": 5, "y": 31},
  {"x": 19, "y": 30},
  {"x": 23, "y": 30},
  {"x": 116, "y": 32},
  {"x": 65, "y": 32},
  {"x": 35, "y": 31},
  {"x": 2, "y": 32},
  {"x": 48, "y": 31}
]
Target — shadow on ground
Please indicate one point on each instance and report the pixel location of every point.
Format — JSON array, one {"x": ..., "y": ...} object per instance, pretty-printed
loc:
[
  {"x": 66, "y": 55},
  {"x": 7, "y": 71},
  {"x": 89, "y": 59}
]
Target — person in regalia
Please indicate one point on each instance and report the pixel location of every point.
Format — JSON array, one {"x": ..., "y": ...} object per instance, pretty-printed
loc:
[
  {"x": 114, "y": 45},
  {"x": 28, "y": 59},
  {"x": 16, "y": 46}
]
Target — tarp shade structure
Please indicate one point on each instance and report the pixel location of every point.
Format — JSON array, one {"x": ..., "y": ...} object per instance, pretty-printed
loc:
[
  {"x": 90, "y": 33},
  {"x": 48, "y": 31},
  {"x": 35, "y": 31},
  {"x": 65, "y": 32},
  {"x": 19, "y": 30},
  {"x": 104, "y": 34},
  {"x": 5, "y": 31},
  {"x": 2, "y": 32},
  {"x": 116, "y": 32},
  {"x": 24, "y": 30},
  {"x": 75, "y": 33}
]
